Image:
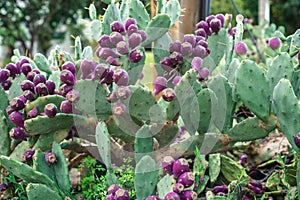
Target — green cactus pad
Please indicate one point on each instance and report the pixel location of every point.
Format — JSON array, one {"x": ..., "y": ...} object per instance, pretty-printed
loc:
[
  {"x": 161, "y": 6},
  {"x": 41, "y": 102},
  {"x": 215, "y": 166},
  {"x": 40, "y": 191},
  {"x": 4, "y": 135},
  {"x": 280, "y": 67},
  {"x": 138, "y": 11},
  {"x": 61, "y": 169},
  {"x": 252, "y": 128},
  {"x": 208, "y": 110},
  {"x": 223, "y": 91},
  {"x": 124, "y": 10},
  {"x": 161, "y": 50},
  {"x": 3, "y": 100},
  {"x": 145, "y": 178},
  {"x": 295, "y": 43},
  {"x": 202, "y": 185},
  {"x": 103, "y": 143},
  {"x": 15, "y": 89},
  {"x": 78, "y": 48},
  {"x": 287, "y": 109},
  {"x": 173, "y": 9},
  {"x": 157, "y": 27},
  {"x": 44, "y": 124},
  {"x": 93, "y": 99},
  {"x": 231, "y": 71},
  {"x": 55, "y": 78},
  {"x": 42, "y": 63},
  {"x": 112, "y": 14},
  {"x": 92, "y": 11},
  {"x": 87, "y": 53},
  {"x": 40, "y": 165},
  {"x": 27, "y": 173},
  {"x": 172, "y": 110},
  {"x": 165, "y": 133},
  {"x": 140, "y": 103},
  {"x": 229, "y": 53},
  {"x": 45, "y": 141},
  {"x": 164, "y": 186},
  {"x": 232, "y": 170},
  {"x": 20, "y": 148},
  {"x": 217, "y": 43},
  {"x": 253, "y": 88},
  {"x": 143, "y": 143},
  {"x": 96, "y": 29}
]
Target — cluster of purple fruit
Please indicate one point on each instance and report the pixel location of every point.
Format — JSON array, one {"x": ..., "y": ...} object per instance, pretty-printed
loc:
[
  {"x": 116, "y": 193},
  {"x": 49, "y": 157},
  {"x": 160, "y": 85},
  {"x": 211, "y": 25},
  {"x": 185, "y": 179},
  {"x": 123, "y": 41}
]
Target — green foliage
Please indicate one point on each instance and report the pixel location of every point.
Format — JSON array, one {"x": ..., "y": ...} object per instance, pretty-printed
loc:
[{"x": 18, "y": 187}]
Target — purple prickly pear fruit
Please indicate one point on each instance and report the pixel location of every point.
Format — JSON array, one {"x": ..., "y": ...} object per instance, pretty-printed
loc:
[
  {"x": 13, "y": 69},
  {"x": 239, "y": 18},
  {"x": 196, "y": 63},
  {"x": 50, "y": 86},
  {"x": 118, "y": 27},
  {"x": 176, "y": 80},
  {"x": 112, "y": 97},
  {"x": 3, "y": 187},
  {"x": 30, "y": 76},
  {"x": 69, "y": 66},
  {"x": 172, "y": 196},
  {"x": 221, "y": 17},
  {"x": 17, "y": 119},
  {"x": 200, "y": 32},
  {"x": 73, "y": 96},
  {"x": 204, "y": 73},
  {"x": 87, "y": 67},
  {"x": 221, "y": 188},
  {"x": 209, "y": 18},
  {"x": 203, "y": 43},
  {"x": 50, "y": 110},
  {"x": 23, "y": 61},
  {"x": 180, "y": 166},
  {"x": 190, "y": 38},
  {"x": 33, "y": 113},
  {"x": 123, "y": 92},
  {"x": 71, "y": 133},
  {"x": 222, "y": 194},
  {"x": 168, "y": 94},
  {"x": 6, "y": 85},
  {"x": 112, "y": 61},
  {"x": 256, "y": 184},
  {"x": 215, "y": 25},
  {"x": 297, "y": 139},
  {"x": 9, "y": 110},
  {"x": 143, "y": 34},
  {"x": 115, "y": 37},
  {"x": 119, "y": 109},
  {"x": 26, "y": 68},
  {"x": 50, "y": 158},
  {"x": 39, "y": 78},
  {"x": 121, "y": 77},
  {"x": 129, "y": 22},
  {"x": 104, "y": 42},
  {"x": 112, "y": 189},
  {"x": 153, "y": 198},
  {"x": 175, "y": 46},
  {"x": 36, "y": 71},
  {"x": 205, "y": 26},
  {"x": 101, "y": 71},
  {"x": 67, "y": 77},
  {"x": 189, "y": 195},
  {"x": 240, "y": 48},
  {"x": 274, "y": 43},
  {"x": 41, "y": 89},
  {"x": 108, "y": 79},
  {"x": 64, "y": 89},
  {"x": 167, "y": 164},
  {"x": 246, "y": 198},
  {"x": 257, "y": 190},
  {"x": 4, "y": 75},
  {"x": 122, "y": 47},
  {"x": 160, "y": 84},
  {"x": 122, "y": 194},
  {"x": 27, "y": 85},
  {"x": 18, "y": 134},
  {"x": 29, "y": 95},
  {"x": 133, "y": 28},
  {"x": 243, "y": 158},
  {"x": 17, "y": 103},
  {"x": 23, "y": 99},
  {"x": 135, "y": 56},
  {"x": 110, "y": 197},
  {"x": 298, "y": 55},
  {"x": 178, "y": 188},
  {"x": 66, "y": 107},
  {"x": 27, "y": 155},
  {"x": 186, "y": 49},
  {"x": 187, "y": 179},
  {"x": 232, "y": 32},
  {"x": 167, "y": 64},
  {"x": 134, "y": 40},
  {"x": 176, "y": 57},
  {"x": 104, "y": 53},
  {"x": 200, "y": 51}
]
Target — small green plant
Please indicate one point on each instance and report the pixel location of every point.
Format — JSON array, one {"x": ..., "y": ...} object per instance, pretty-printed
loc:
[{"x": 17, "y": 188}]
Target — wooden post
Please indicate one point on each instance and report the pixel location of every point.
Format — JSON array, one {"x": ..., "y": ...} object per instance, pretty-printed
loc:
[{"x": 264, "y": 10}]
